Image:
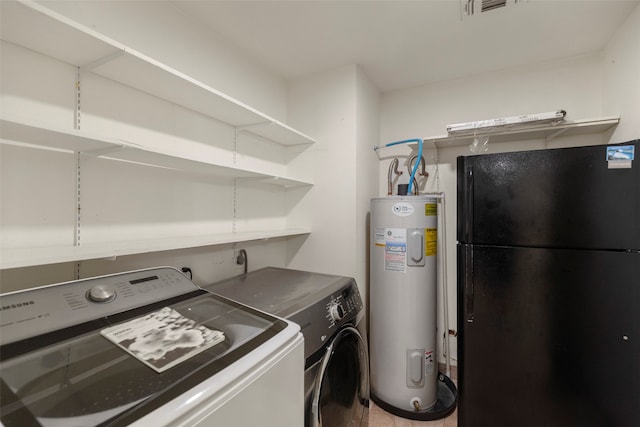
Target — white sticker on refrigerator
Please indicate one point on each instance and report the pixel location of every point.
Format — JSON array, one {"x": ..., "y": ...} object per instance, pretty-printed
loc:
[
  {"x": 395, "y": 249},
  {"x": 620, "y": 156}
]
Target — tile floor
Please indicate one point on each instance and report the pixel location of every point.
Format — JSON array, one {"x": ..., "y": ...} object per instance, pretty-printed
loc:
[{"x": 380, "y": 418}]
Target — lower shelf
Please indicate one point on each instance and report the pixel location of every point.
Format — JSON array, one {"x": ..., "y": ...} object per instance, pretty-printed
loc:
[{"x": 28, "y": 257}]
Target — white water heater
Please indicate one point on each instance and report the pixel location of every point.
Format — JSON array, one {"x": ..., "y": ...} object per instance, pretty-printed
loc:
[{"x": 404, "y": 242}]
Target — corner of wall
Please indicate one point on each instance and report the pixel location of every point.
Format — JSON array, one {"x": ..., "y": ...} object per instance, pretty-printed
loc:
[{"x": 621, "y": 61}]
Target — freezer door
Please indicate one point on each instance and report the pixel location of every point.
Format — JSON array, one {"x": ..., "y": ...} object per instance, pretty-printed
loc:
[
  {"x": 563, "y": 198},
  {"x": 548, "y": 337}
]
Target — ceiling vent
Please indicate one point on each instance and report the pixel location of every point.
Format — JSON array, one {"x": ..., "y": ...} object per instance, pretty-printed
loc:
[{"x": 475, "y": 7}]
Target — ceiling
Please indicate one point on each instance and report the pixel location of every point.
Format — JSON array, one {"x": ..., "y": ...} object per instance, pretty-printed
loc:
[{"x": 401, "y": 44}]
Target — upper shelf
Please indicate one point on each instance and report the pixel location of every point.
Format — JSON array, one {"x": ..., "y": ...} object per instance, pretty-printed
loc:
[
  {"x": 68, "y": 41},
  {"x": 80, "y": 141},
  {"x": 522, "y": 133}
]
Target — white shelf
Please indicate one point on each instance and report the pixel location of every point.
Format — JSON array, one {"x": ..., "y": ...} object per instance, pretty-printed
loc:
[
  {"x": 46, "y": 136},
  {"x": 143, "y": 156},
  {"x": 26, "y": 257},
  {"x": 80, "y": 141},
  {"x": 70, "y": 42},
  {"x": 522, "y": 133}
]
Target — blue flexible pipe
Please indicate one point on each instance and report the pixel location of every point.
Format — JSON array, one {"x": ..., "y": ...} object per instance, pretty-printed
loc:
[{"x": 415, "y": 167}]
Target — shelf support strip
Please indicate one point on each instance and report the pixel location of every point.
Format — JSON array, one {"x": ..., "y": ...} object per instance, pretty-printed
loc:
[
  {"x": 101, "y": 61},
  {"x": 253, "y": 125}
]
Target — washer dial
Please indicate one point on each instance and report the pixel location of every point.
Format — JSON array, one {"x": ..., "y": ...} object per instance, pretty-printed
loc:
[
  {"x": 101, "y": 294},
  {"x": 336, "y": 312}
]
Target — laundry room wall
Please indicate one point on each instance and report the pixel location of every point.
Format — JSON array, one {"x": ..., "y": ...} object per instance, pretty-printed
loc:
[
  {"x": 621, "y": 62},
  {"x": 588, "y": 86},
  {"x": 367, "y": 134},
  {"x": 339, "y": 107},
  {"x": 125, "y": 201}
]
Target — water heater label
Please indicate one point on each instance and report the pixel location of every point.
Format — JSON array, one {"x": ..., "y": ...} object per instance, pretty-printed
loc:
[
  {"x": 430, "y": 209},
  {"x": 428, "y": 363},
  {"x": 430, "y": 241},
  {"x": 380, "y": 236},
  {"x": 402, "y": 209},
  {"x": 395, "y": 249}
]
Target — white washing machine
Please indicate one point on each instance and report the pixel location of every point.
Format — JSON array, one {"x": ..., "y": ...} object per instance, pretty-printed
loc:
[{"x": 145, "y": 348}]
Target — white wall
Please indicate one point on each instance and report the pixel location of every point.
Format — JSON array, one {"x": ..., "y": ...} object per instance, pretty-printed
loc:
[
  {"x": 325, "y": 104},
  {"x": 573, "y": 84},
  {"x": 339, "y": 107},
  {"x": 621, "y": 63},
  {"x": 367, "y": 133}
]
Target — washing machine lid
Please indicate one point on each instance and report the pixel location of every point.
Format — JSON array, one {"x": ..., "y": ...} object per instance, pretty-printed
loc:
[
  {"x": 302, "y": 297},
  {"x": 281, "y": 291},
  {"x": 117, "y": 360}
]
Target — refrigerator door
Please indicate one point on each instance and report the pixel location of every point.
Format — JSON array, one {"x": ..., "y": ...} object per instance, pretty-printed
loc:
[
  {"x": 563, "y": 198},
  {"x": 548, "y": 337}
]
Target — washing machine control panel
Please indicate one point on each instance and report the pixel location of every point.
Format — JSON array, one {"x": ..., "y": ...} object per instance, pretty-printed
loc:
[
  {"x": 343, "y": 305},
  {"x": 49, "y": 308},
  {"x": 328, "y": 311}
]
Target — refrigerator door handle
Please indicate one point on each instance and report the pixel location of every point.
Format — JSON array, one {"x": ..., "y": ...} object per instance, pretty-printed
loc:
[
  {"x": 468, "y": 283},
  {"x": 468, "y": 191}
]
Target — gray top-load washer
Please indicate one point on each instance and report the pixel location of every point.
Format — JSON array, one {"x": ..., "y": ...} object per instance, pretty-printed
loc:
[{"x": 330, "y": 312}]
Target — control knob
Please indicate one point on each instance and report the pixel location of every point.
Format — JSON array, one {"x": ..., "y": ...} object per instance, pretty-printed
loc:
[
  {"x": 101, "y": 293},
  {"x": 336, "y": 312}
]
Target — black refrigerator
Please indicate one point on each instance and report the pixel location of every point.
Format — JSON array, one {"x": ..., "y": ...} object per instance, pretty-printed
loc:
[{"x": 549, "y": 287}]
